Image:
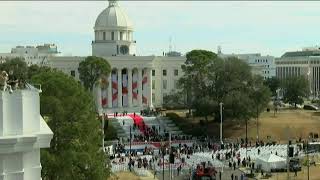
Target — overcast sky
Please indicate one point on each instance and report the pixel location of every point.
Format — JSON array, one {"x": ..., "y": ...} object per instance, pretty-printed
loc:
[{"x": 270, "y": 28}]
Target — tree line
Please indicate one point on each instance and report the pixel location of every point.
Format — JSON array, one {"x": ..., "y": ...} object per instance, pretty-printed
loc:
[{"x": 209, "y": 80}]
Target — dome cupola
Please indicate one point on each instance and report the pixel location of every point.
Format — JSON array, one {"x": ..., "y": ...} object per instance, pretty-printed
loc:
[
  {"x": 113, "y": 32},
  {"x": 113, "y": 17}
]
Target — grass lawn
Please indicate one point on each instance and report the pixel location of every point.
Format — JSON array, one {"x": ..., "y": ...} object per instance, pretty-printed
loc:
[
  {"x": 124, "y": 176},
  {"x": 314, "y": 174},
  {"x": 300, "y": 123},
  {"x": 129, "y": 176}
]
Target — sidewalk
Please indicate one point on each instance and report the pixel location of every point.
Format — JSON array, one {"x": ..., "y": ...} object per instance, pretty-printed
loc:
[{"x": 149, "y": 176}]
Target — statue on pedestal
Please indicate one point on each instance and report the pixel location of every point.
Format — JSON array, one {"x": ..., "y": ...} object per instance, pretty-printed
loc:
[{"x": 4, "y": 78}]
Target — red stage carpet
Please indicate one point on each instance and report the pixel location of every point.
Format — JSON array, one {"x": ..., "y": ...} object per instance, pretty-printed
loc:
[{"x": 138, "y": 120}]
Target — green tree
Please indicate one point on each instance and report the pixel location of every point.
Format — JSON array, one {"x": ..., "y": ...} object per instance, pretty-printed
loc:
[
  {"x": 194, "y": 81},
  {"x": 174, "y": 100},
  {"x": 261, "y": 96},
  {"x": 74, "y": 151},
  {"x": 273, "y": 84},
  {"x": 17, "y": 67},
  {"x": 35, "y": 69},
  {"x": 92, "y": 69},
  {"x": 185, "y": 90},
  {"x": 211, "y": 80},
  {"x": 295, "y": 89}
]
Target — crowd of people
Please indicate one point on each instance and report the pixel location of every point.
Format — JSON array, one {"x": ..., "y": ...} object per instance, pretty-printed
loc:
[{"x": 230, "y": 156}]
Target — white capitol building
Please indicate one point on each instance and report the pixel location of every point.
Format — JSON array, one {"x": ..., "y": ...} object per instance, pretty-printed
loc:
[{"x": 137, "y": 81}]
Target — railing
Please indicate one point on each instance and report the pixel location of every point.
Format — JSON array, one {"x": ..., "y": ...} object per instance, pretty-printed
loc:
[{"x": 112, "y": 41}]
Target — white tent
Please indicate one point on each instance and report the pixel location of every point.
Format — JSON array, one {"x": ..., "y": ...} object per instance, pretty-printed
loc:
[{"x": 270, "y": 161}]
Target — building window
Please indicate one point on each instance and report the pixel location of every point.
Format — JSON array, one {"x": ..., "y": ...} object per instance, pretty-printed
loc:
[
  {"x": 164, "y": 72},
  {"x": 112, "y": 35},
  {"x": 164, "y": 84},
  {"x": 153, "y": 72},
  {"x": 124, "y": 49},
  {"x": 175, "y": 85},
  {"x": 121, "y": 35},
  {"x": 104, "y": 35},
  {"x": 73, "y": 73},
  {"x": 163, "y": 96},
  {"x": 153, "y": 84},
  {"x": 153, "y": 97},
  {"x": 117, "y": 49},
  {"x": 176, "y": 72}
]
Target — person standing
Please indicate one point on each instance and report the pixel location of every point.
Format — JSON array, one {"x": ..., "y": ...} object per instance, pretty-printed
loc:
[
  {"x": 232, "y": 176},
  {"x": 155, "y": 173}
]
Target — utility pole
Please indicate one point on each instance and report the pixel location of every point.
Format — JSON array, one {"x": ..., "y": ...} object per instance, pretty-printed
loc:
[
  {"x": 288, "y": 177},
  {"x": 221, "y": 122},
  {"x": 130, "y": 140}
]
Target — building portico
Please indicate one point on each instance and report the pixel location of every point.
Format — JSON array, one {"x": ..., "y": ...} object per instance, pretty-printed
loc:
[{"x": 129, "y": 85}]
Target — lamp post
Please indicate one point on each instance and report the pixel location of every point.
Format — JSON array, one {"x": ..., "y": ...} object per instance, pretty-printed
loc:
[
  {"x": 221, "y": 122},
  {"x": 257, "y": 123},
  {"x": 163, "y": 153},
  {"x": 246, "y": 137},
  {"x": 308, "y": 160},
  {"x": 170, "y": 170}
]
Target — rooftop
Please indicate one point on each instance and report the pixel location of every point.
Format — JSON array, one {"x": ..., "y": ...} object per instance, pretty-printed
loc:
[{"x": 301, "y": 53}]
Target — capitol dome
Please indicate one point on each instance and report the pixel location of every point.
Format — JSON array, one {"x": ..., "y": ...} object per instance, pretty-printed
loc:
[
  {"x": 113, "y": 17},
  {"x": 113, "y": 33}
]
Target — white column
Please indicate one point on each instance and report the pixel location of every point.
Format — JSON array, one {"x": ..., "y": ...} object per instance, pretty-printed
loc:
[
  {"x": 98, "y": 98},
  {"x": 119, "y": 88},
  {"x": 110, "y": 91},
  {"x": 139, "y": 87},
  {"x": 149, "y": 87},
  {"x": 129, "y": 87}
]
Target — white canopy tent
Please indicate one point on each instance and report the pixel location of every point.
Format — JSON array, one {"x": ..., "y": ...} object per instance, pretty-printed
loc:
[{"x": 270, "y": 161}]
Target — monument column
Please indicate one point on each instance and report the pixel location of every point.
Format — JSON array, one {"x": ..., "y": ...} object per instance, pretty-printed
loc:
[
  {"x": 129, "y": 87},
  {"x": 140, "y": 87},
  {"x": 119, "y": 88},
  {"x": 98, "y": 98},
  {"x": 149, "y": 87},
  {"x": 110, "y": 91}
]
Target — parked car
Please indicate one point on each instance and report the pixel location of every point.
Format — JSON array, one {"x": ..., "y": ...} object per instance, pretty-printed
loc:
[{"x": 310, "y": 107}]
